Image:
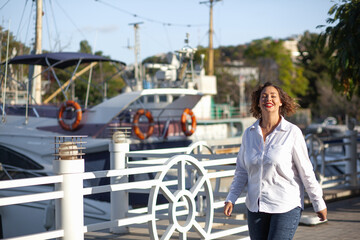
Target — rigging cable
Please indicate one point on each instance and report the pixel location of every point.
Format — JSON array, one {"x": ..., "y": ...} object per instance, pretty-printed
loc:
[
  {"x": 56, "y": 28},
  {"x": 203, "y": 37},
  {"x": 167, "y": 36},
  {"x": 22, "y": 15},
  {"x": 47, "y": 26},
  {"x": 6, "y": 72},
  {"x": 149, "y": 19},
  {"x": 67, "y": 15},
  {"x": 4, "y": 5},
  {"x": 217, "y": 39},
  {"x": 28, "y": 26}
]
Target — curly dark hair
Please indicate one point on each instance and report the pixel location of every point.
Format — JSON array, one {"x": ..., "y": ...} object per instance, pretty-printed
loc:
[{"x": 288, "y": 107}]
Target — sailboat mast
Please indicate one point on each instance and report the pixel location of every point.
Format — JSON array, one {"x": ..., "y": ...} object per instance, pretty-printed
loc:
[{"x": 38, "y": 50}]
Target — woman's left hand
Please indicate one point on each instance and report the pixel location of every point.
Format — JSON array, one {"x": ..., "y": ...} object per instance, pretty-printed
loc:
[
  {"x": 322, "y": 214},
  {"x": 228, "y": 208}
]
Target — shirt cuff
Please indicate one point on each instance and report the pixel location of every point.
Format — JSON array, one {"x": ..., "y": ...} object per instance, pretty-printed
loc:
[{"x": 319, "y": 205}]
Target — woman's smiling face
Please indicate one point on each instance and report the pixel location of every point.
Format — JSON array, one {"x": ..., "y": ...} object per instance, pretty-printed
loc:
[{"x": 270, "y": 100}]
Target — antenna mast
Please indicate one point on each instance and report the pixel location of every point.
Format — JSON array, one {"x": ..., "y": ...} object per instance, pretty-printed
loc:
[
  {"x": 211, "y": 31},
  {"x": 137, "y": 65}
]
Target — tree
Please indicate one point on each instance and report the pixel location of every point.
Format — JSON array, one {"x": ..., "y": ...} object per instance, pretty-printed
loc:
[
  {"x": 85, "y": 47},
  {"x": 16, "y": 77},
  {"x": 343, "y": 41},
  {"x": 275, "y": 65},
  {"x": 332, "y": 103},
  {"x": 101, "y": 79},
  {"x": 321, "y": 97},
  {"x": 15, "y": 47},
  {"x": 103, "y": 76},
  {"x": 227, "y": 87},
  {"x": 315, "y": 61}
]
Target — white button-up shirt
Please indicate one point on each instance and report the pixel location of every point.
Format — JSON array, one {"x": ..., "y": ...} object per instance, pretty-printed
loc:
[{"x": 275, "y": 171}]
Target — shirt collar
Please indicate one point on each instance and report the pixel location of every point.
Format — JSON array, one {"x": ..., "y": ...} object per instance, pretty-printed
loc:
[{"x": 283, "y": 126}]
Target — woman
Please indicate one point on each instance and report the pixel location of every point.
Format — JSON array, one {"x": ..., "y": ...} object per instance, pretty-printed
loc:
[{"x": 273, "y": 163}]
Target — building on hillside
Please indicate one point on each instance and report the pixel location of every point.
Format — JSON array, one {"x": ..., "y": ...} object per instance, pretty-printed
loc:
[
  {"x": 291, "y": 44},
  {"x": 244, "y": 74}
]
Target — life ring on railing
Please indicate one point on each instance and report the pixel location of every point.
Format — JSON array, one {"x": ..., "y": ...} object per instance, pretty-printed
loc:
[
  {"x": 75, "y": 124},
  {"x": 136, "y": 127},
  {"x": 188, "y": 132}
]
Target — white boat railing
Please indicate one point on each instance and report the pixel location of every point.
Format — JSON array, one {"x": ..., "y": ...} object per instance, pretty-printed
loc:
[
  {"x": 336, "y": 153},
  {"x": 184, "y": 194}
]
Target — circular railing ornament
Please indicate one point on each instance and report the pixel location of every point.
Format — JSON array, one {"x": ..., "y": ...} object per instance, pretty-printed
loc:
[{"x": 181, "y": 194}]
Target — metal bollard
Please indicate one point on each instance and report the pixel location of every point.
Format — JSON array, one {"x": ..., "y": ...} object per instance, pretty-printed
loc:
[
  {"x": 351, "y": 152},
  {"x": 70, "y": 209},
  {"x": 119, "y": 199}
]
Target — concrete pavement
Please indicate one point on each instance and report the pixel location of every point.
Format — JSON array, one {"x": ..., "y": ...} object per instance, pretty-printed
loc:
[{"x": 343, "y": 223}]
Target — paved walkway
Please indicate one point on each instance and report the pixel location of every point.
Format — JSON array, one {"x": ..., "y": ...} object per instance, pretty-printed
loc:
[{"x": 343, "y": 224}]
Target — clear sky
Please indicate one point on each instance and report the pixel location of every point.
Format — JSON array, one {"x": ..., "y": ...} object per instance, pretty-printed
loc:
[{"x": 106, "y": 24}]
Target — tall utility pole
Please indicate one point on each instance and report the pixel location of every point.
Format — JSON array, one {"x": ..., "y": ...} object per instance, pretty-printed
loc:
[
  {"x": 137, "y": 65},
  {"x": 38, "y": 50},
  {"x": 211, "y": 32}
]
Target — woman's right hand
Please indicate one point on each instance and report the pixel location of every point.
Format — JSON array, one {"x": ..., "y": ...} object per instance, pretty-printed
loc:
[
  {"x": 322, "y": 214},
  {"x": 228, "y": 208}
]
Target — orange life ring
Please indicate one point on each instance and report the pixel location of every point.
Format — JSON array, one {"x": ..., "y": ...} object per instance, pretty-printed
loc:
[
  {"x": 76, "y": 123},
  {"x": 188, "y": 132},
  {"x": 136, "y": 127}
]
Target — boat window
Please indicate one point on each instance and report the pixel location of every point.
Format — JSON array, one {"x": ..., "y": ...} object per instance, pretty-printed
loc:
[
  {"x": 10, "y": 157},
  {"x": 150, "y": 99},
  {"x": 162, "y": 98},
  {"x": 175, "y": 97}
]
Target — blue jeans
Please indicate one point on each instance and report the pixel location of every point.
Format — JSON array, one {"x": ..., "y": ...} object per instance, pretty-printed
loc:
[{"x": 269, "y": 226}]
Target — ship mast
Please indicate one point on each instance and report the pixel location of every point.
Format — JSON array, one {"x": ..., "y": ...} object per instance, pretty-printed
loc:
[
  {"x": 137, "y": 64},
  {"x": 211, "y": 32},
  {"x": 36, "y": 86}
]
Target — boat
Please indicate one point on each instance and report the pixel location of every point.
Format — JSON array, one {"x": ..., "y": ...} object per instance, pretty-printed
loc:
[
  {"x": 167, "y": 111},
  {"x": 172, "y": 107}
]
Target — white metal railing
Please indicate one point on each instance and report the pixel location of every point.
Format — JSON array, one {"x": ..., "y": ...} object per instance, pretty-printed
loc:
[
  {"x": 335, "y": 153},
  {"x": 184, "y": 189},
  {"x": 27, "y": 198},
  {"x": 184, "y": 194}
]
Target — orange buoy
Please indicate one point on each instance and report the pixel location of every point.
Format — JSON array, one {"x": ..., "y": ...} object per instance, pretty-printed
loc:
[
  {"x": 188, "y": 112},
  {"x": 136, "y": 127},
  {"x": 75, "y": 124}
]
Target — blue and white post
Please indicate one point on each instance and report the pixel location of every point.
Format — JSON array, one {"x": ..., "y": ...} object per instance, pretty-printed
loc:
[
  {"x": 119, "y": 199},
  {"x": 69, "y": 210}
]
